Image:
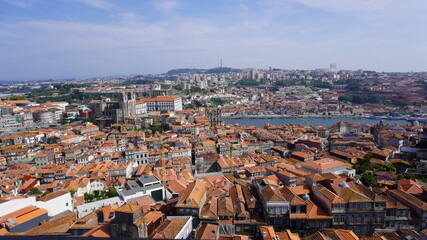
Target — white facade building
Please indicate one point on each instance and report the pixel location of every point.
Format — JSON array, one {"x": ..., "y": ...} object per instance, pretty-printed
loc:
[
  {"x": 56, "y": 205},
  {"x": 186, "y": 230},
  {"x": 15, "y": 204},
  {"x": 163, "y": 103},
  {"x": 141, "y": 107},
  {"x": 86, "y": 208}
]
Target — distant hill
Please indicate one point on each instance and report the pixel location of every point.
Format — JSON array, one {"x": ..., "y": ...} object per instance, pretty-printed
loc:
[
  {"x": 199, "y": 71},
  {"x": 185, "y": 70},
  {"x": 222, "y": 70}
]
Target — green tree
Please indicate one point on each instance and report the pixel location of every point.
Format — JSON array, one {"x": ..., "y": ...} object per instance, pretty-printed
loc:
[
  {"x": 195, "y": 104},
  {"x": 218, "y": 101},
  {"x": 366, "y": 97},
  {"x": 17, "y": 97},
  {"x": 263, "y": 81},
  {"x": 89, "y": 197},
  {"x": 369, "y": 178},
  {"x": 96, "y": 193},
  {"x": 288, "y": 83},
  {"x": 77, "y": 95},
  {"x": 199, "y": 103},
  {"x": 389, "y": 167},
  {"x": 196, "y": 89},
  {"x": 165, "y": 126},
  {"x": 45, "y": 193},
  {"x": 34, "y": 191},
  {"x": 165, "y": 86},
  {"x": 368, "y": 156},
  {"x": 178, "y": 87},
  {"x": 112, "y": 192},
  {"x": 321, "y": 84},
  {"x": 91, "y": 120},
  {"x": 72, "y": 192},
  {"x": 365, "y": 163},
  {"x": 354, "y": 86},
  {"x": 367, "y": 171}
]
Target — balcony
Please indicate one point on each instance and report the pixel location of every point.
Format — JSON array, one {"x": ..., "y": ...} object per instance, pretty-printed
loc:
[
  {"x": 408, "y": 227},
  {"x": 338, "y": 210},
  {"x": 359, "y": 210}
]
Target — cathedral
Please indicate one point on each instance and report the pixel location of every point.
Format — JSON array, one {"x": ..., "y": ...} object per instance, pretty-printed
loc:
[
  {"x": 108, "y": 112},
  {"x": 214, "y": 116}
]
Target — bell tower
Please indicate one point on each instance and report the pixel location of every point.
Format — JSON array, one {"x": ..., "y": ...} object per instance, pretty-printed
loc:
[{"x": 128, "y": 105}]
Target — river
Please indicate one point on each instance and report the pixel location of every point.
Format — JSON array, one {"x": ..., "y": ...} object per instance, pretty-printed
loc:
[{"x": 318, "y": 121}]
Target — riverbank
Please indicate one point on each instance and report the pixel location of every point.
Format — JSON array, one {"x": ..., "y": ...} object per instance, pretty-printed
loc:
[
  {"x": 290, "y": 116},
  {"x": 325, "y": 121}
]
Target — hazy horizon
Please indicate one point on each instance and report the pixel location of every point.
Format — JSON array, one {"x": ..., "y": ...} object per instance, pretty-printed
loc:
[{"x": 42, "y": 39}]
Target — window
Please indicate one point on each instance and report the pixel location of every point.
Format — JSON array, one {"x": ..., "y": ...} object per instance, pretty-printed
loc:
[{"x": 336, "y": 219}]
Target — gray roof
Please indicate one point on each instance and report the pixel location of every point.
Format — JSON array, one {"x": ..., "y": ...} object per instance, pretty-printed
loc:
[
  {"x": 137, "y": 186},
  {"x": 148, "y": 179},
  {"x": 140, "y": 189}
]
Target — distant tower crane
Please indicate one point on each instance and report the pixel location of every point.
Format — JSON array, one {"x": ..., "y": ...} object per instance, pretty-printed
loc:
[
  {"x": 231, "y": 164},
  {"x": 163, "y": 160}
]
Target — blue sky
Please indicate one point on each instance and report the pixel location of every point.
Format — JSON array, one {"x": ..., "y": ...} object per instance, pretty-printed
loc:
[{"x": 42, "y": 39}]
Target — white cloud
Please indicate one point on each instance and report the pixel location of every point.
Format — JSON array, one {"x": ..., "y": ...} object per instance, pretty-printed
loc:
[
  {"x": 344, "y": 5},
  {"x": 389, "y": 8},
  {"x": 246, "y": 38},
  {"x": 166, "y": 6},
  {"x": 71, "y": 36},
  {"x": 19, "y": 3},
  {"x": 102, "y": 4},
  {"x": 129, "y": 17}
]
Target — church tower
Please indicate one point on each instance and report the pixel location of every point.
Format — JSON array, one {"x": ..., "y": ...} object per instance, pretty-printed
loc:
[
  {"x": 128, "y": 104},
  {"x": 214, "y": 116}
]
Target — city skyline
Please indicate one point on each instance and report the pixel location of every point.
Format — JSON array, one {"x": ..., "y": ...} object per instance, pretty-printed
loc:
[{"x": 93, "y": 38}]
